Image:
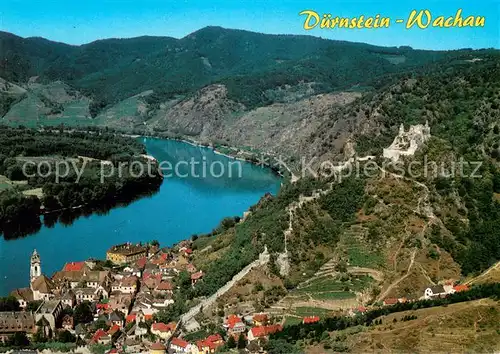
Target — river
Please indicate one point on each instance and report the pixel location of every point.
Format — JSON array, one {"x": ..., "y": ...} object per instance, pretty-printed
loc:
[{"x": 187, "y": 203}]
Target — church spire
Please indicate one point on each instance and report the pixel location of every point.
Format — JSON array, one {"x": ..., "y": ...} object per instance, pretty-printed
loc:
[{"x": 35, "y": 266}]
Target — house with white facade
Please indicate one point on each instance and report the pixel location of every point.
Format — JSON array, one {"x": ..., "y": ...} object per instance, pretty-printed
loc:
[{"x": 435, "y": 291}]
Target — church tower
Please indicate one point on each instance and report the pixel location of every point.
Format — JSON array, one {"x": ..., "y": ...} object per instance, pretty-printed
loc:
[{"x": 35, "y": 266}]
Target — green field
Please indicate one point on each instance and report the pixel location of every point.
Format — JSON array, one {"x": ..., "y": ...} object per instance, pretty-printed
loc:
[
  {"x": 31, "y": 112},
  {"x": 328, "y": 287},
  {"x": 5, "y": 183},
  {"x": 290, "y": 320},
  {"x": 361, "y": 255},
  {"x": 311, "y": 311},
  {"x": 125, "y": 111},
  {"x": 25, "y": 112},
  {"x": 338, "y": 295}
]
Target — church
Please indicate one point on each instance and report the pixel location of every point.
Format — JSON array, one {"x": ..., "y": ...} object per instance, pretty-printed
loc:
[{"x": 41, "y": 287}]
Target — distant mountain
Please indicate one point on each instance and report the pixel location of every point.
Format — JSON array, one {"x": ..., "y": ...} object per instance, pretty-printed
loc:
[{"x": 248, "y": 63}]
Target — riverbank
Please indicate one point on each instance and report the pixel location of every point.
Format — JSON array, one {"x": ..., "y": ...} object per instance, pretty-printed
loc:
[
  {"x": 259, "y": 160},
  {"x": 181, "y": 208},
  {"x": 251, "y": 158}
]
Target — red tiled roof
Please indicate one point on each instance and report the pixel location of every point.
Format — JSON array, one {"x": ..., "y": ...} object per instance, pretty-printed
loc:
[
  {"x": 98, "y": 335},
  {"x": 310, "y": 319},
  {"x": 179, "y": 342},
  {"x": 361, "y": 309},
  {"x": 232, "y": 320},
  {"x": 73, "y": 267},
  {"x": 102, "y": 306},
  {"x": 164, "y": 256},
  {"x": 148, "y": 275},
  {"x": 162, "y": 327},
  {"x": 260, "y": 317},
  {"x": 197, "y": 276},
  {"x": 148, "y": 317},
  {"x": 258, "y": 331},
  {"x": 213, "y": 342},
  {"x": 208, "y": 344},
  {"x": 273, "y": 328},
  {"x": 460, "y": 288},
  {"x": 141, "y": 262},
  {"x": 114, "y": 329},
  {"x": 129, "y": 281},
  {"x": 214, "y": 338},
  {"x": 131, "y": 317},
  {"x": 151, "y": 280},
  {"x": 165, "y": 285},
  {"x": 158, "y": 346},
  {"x": 159, "y": 261},
  {"x": 263, "y": 331},
  {"x": 390, "y": 301}
]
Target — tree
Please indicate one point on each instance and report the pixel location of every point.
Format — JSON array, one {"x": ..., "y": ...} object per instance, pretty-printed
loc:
[
  {"x": 258, "y": 287},
  {"x": 33, "y": 305},
  {"x": 184, "y": 280},
  {"x": 341, "y": 266},
  {"x": 83, "y": 313},
  {"x": 100, "y": 324},
  {"x": 155, "y": 243},
  {"x": 9, "y": 303},
  {"x": 242, "y": 342},
  {"x": 66, "y": 337},
  {"x": 39, "y": 336},
  {"x": 280, "y": 346},
  {"x": 19, "y": 339},
  {"x": 99, "y": 348},
  {"x": 231, "y": 343}
]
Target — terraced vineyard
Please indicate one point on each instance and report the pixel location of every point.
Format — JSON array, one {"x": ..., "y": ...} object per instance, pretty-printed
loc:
[
  {"x": 51, "y": 105},
  {"x": 323, "y": 295},
  {"x": 360, "y": 255}
]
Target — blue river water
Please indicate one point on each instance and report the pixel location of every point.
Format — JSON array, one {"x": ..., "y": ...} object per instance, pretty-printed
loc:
[{"x": 184, "y": 205}]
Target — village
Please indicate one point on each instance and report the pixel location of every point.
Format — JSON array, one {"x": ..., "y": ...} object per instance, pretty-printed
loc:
[{"x": 114, "y": 305}]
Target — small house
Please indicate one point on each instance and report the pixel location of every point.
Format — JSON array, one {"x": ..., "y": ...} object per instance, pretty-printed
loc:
[
  {"x": 179, "y": 345},
  {"x": 435, "y": 291}
]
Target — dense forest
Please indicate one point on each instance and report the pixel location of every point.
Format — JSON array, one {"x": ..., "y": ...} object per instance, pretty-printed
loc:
[
  {"x": 67, "y": 171},
  {"x": 98, "y": 145}
]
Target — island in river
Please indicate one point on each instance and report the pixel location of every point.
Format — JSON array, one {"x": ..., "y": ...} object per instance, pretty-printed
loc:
[
  {"x": 183, "y": 206},
  {"x": 54, "y": 171}
]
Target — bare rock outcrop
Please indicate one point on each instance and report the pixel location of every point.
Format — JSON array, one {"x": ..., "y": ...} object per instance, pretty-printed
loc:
[{"x": 406, "y": 143}]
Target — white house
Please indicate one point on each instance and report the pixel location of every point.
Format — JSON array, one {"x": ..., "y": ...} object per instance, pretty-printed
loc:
[
  {"x": 435, "y": 291},
  {"x": 162, "y": 330},
  {"x": 23, "y": 296},
  {"x": 178, "y": 345},
  {"x": 86, "y": 294}
]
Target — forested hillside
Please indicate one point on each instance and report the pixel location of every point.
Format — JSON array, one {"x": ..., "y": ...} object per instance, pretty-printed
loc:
[
  {"x": 248, "y": 63},
  {"x": 412, "y": 229}
]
